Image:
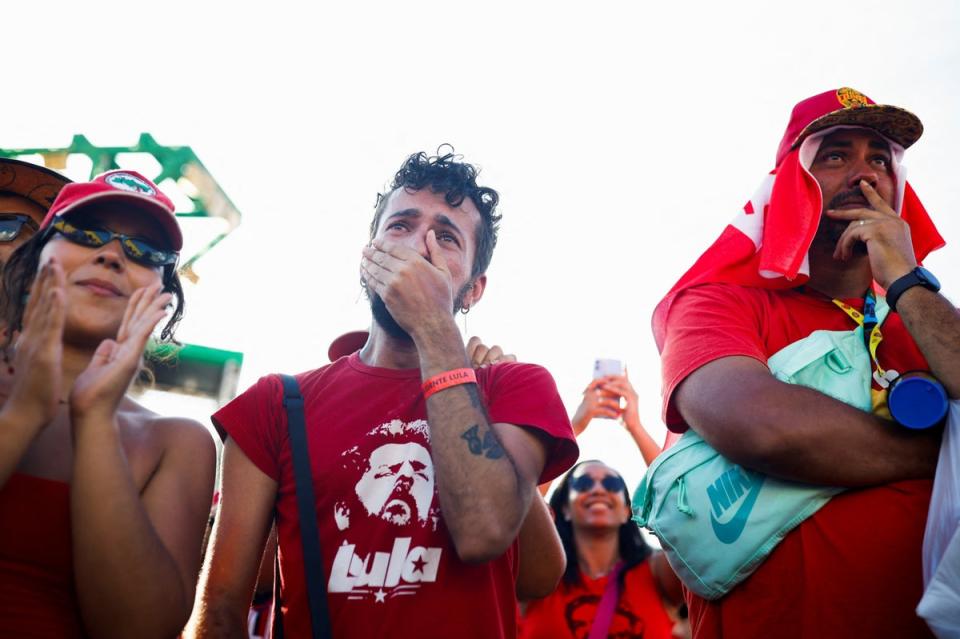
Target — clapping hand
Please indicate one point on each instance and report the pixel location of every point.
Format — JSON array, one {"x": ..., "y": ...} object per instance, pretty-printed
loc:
[
  {"x": 100, "y": 387},
  {"x": 35, "y": 393}
]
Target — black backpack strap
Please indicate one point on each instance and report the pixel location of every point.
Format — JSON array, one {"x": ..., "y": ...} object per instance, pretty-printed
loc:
[{"x": 307, "y": 510}]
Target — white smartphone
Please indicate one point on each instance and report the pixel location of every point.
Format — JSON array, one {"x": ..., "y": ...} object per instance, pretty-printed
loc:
[{"x": 604, "y": 367}]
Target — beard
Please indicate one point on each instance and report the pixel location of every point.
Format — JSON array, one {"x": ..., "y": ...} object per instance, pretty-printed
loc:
[{"x": 385, "y": 319}]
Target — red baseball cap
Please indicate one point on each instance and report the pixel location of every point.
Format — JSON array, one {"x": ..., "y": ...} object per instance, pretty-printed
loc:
[
  {"x": 119, "y": 186},
  {"x": 347, "y": 344},
  {"x": 846, "y": 106}
]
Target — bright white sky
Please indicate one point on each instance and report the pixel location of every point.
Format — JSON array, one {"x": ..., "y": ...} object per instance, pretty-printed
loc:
[{"x": 622, "y": 137}]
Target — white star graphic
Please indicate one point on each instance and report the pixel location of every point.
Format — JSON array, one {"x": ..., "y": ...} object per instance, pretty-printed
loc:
[
  {"x": 395, "y": 427},
  {"x": 380, "y": 596}
]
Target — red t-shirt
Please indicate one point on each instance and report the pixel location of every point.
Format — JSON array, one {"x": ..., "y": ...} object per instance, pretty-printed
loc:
[
  {"x": 568, "y": 612},
  {"x": 853, "y": 569},
  {"x": 391, "y": 566}
]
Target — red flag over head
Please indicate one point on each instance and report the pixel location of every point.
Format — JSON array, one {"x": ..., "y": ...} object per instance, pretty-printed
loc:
[{"x": 766, "y": 244}]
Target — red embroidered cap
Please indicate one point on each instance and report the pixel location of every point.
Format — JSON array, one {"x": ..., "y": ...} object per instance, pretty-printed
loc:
[
  {"x": 848, "y": 106},
  {"x": 124, "y": 186}
]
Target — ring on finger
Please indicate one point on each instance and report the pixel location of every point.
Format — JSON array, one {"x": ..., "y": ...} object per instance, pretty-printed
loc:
[{"x": 861, "y": 222}]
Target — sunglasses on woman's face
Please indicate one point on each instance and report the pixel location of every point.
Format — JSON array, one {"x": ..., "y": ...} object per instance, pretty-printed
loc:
[
  {"x": 610, "y": 483},
  {"x": 136, "y": 249},
  {"x": 11, "y": 224}
]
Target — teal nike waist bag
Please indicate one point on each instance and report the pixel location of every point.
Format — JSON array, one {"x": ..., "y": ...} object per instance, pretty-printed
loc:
[{"x": 718, "y": 521}]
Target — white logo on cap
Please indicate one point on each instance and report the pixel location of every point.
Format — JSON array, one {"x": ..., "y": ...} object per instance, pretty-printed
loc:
[{"x": 127, "y": 182}]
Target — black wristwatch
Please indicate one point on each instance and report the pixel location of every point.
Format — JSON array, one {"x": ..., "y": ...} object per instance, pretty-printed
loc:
[{"x": 919, "y": 276}]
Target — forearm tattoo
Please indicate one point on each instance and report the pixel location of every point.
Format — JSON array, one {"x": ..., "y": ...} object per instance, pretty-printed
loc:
[{"x": 488, "y": 445}]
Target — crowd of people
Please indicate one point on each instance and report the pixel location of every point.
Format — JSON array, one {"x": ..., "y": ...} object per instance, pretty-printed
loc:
[{"x": 395, "y": 489}]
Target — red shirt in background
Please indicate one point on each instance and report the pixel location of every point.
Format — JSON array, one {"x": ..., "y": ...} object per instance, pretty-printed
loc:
[{"x": 568, "y": 612}]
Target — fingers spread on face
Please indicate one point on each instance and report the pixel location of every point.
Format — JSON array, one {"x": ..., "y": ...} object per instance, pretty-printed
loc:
[
  {"x": 373, "y": 282},
  {"x": 392, "y": 249},
  {"x": 382, "y": 258},
  {"x": 377, "y": 272}
]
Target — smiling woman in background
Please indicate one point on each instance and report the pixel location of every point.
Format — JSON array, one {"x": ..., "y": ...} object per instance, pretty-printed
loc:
[
  {"x": 613, "y": 579},
  {"x": 102, "y": 502}
]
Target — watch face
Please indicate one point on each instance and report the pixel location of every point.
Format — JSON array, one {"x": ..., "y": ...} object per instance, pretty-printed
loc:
[{"x": 928, "y": 277}]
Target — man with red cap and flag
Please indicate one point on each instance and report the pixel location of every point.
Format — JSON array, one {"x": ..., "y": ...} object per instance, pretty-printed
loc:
[{"x": 831, "y": 242}]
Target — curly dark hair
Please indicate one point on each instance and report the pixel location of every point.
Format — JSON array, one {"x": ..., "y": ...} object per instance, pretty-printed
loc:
[
  {"x": 633, "y": 549},
  {"x": 21, "y": 269},
  {"x": 446, "y": 173}
]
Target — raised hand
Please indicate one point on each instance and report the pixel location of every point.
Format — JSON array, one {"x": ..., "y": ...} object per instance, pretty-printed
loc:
[
  {"x": 481, "y": 355},
  {"x": 602, "y": 398},
  {"x": 35, "y": 392},
  {"x": 417, "y": 291},
  {"x": 99, "y": 388},
  {"x": 886, "y": 235},
  {"x": 596, "y": 402},
  {"x": 620, "y": 385}
]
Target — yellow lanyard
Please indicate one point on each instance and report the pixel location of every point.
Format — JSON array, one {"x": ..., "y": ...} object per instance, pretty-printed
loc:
[{"x": 872, "y": 336}]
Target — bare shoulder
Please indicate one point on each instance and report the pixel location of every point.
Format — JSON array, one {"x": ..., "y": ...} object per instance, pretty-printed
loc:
[{"x": 163, "y": 436}]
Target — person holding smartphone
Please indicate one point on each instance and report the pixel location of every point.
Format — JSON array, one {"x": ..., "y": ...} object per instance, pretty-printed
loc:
[{"x": 612, "y": 396}]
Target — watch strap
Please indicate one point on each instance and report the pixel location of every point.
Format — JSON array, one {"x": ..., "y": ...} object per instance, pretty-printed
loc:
[{"x": 905, "y": 283}]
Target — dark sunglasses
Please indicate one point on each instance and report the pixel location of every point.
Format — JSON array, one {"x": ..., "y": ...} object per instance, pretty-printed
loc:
[
  {"x": 610, "y": 483},
  {"x": 12, "y": 223},
  {"x": 138, "y": 250}
]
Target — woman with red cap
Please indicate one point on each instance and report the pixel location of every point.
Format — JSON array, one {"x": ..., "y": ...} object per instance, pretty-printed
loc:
[{"x": 103, "y": 502}]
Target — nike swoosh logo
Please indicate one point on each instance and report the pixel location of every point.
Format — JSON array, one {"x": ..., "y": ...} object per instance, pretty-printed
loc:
[{"x": 730, "y": 531}]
